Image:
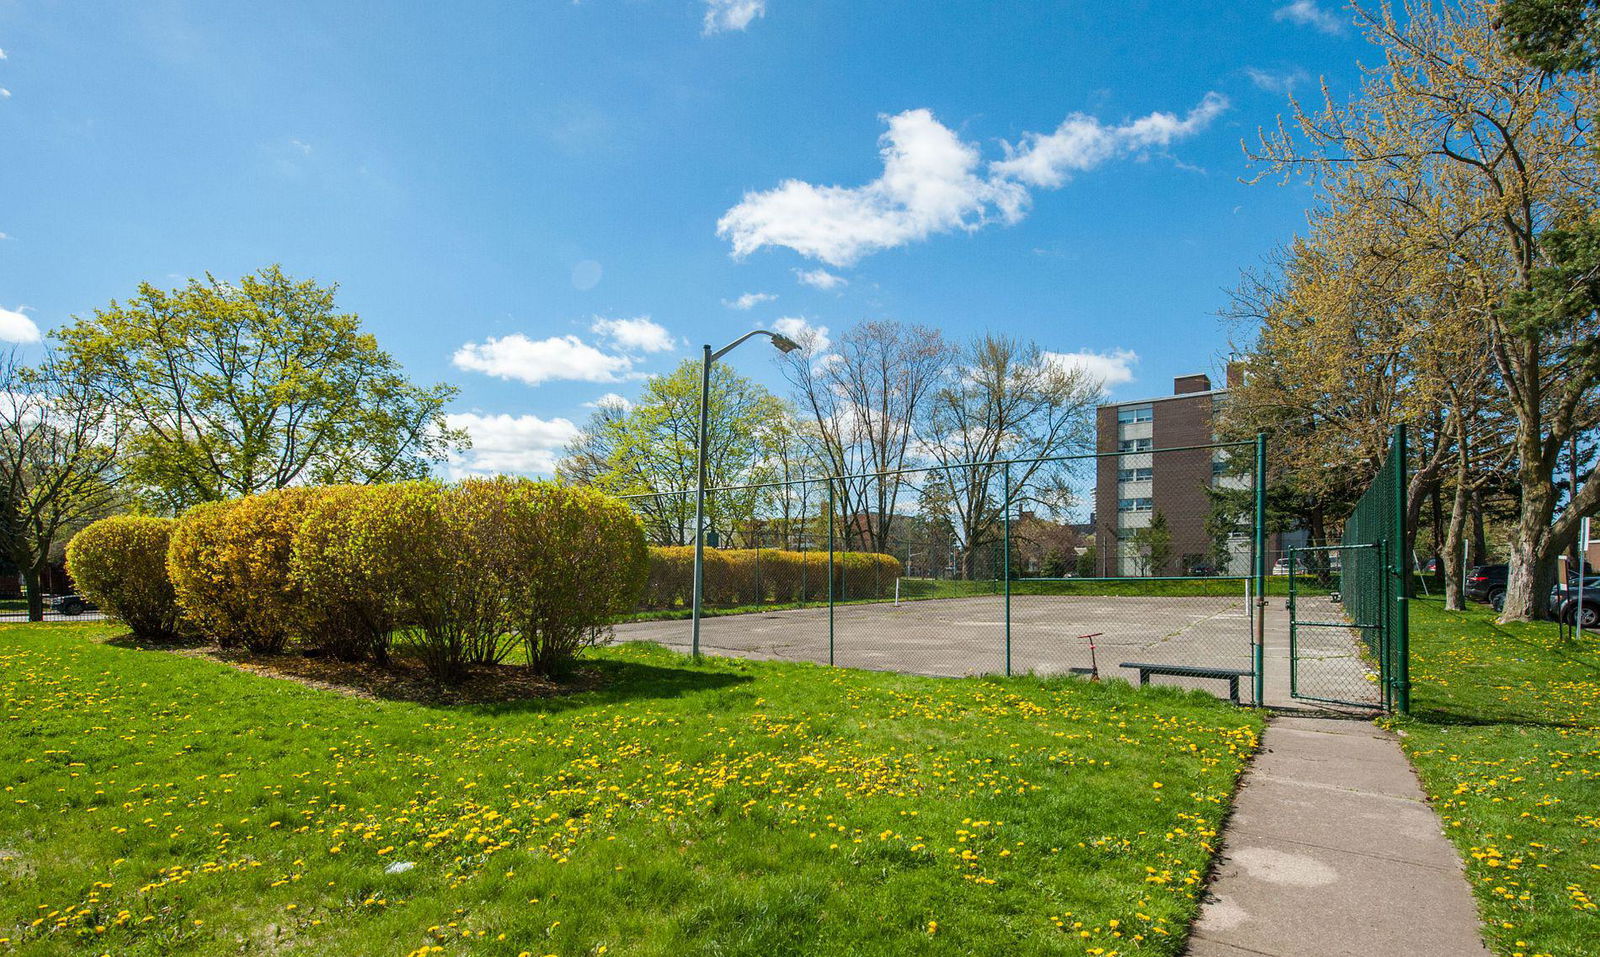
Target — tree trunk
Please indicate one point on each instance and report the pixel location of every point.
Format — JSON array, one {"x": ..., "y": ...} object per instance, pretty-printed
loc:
[
  {"x": 31, "y": 577},
  {"x": 1450, "y": 561},
  {"x": 1480, "y": 539},
  {"x": 1529, "y": 572}
]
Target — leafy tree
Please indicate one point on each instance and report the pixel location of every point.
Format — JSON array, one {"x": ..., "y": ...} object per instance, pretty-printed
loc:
[
  {"x": 1152, "y": 545},
  {"x": 1459, "y": 156},
  {"x": 58, "y": 464},
  {"x": 1088, "y": 562},
  {"x": 1554, "y": 35},
  {"x": 232, "y": 388},
  {"x": 648, "y": 450}
]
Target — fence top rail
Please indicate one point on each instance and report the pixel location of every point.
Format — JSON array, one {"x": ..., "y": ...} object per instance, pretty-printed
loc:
[{"x": 992, "y": 463}]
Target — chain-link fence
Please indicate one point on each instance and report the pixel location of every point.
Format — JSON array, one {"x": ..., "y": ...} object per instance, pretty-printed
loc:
[
  {"x": 1028, "y": 565},
  {"x": 1377, "y": 576}
]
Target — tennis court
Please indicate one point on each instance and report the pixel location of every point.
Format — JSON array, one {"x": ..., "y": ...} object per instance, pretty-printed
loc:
[{"x": 966, "y": 636}]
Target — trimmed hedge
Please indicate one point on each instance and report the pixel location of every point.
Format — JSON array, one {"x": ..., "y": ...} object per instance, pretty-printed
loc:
[
  {"x": 120, "y": 564},
  {"x": 231, "y": 565},
  {"x": 747, "y": 576},
  {"x": 355, "y": 565},
  {"x": 580, "y": 559},
  {"x": 465, "y": 574}
]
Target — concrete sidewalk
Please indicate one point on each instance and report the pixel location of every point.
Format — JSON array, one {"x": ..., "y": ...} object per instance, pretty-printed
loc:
[{"x": 1332, "y": 851}]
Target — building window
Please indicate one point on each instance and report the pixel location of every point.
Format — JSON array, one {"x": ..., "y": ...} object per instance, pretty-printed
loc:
[
  {"x": 1135, "y": 475},
  {"x": 1136, "y": 445},
  {"x": 1135, "y": 505},
  {"x": 1219, "y": 468},
  {"x": 1135, "y": 413}
]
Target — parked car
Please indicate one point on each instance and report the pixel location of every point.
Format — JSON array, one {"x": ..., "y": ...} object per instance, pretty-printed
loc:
[
  {"x": 70, "y": 605},
  {"x": 1487, "y": 583},
  {"x": 1431, "y": 566},
  {"x": 1280, "y": 567},
  {"x": 1564, "y": 604}
]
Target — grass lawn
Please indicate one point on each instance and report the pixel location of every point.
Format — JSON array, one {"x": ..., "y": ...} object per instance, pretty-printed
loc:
[
  {"x": 1506, "y": 735},
  {"x": 158, "y": 803}
]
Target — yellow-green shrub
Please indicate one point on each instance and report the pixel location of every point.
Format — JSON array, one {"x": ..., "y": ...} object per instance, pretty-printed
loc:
[
  {"x": 355, "y": 561},
  {"x": 739, "y": 576},
  {"x": 577, "y": 559},
  {"x": 230, "y": 564},
  {"x": 120, "y": 564},
  {"x": 460, "y": 566}
]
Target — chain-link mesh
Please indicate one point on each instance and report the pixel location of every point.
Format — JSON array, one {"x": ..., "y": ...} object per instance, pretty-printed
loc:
[
  {"x": 1331, "y": 638},
  {"x": 961, "y": 569}
]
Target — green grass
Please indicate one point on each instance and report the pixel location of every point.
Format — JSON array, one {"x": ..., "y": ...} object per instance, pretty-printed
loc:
[
  {"x": 1506, "y": 736},
  {"x": 158, "y": 803}
]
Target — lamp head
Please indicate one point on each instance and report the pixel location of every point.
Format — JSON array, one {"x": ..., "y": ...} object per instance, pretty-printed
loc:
[{"x": 784, "y": 343}]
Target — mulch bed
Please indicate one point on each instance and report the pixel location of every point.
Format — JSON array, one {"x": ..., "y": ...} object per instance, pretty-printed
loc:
[{"x": 402, "y": 680}]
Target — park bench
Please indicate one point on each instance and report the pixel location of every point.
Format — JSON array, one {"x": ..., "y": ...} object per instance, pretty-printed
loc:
[{"x": 1230, "y": 675}]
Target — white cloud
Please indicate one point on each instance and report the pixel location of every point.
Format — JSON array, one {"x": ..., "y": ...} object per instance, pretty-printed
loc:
[
  {"x": 1307, "y": 13},
  {"x": 541, "y": 360},
  {"x": 1110, "y": 368},
  {"x": 732, "y": 14},
  {"x": 933, "y": 182},
  {"x": 1082, "y": 142},
  {"x": 15, "y": 327},
  {"x": 813, "y": 338},
  {"x": 611, "y": 400},
  {"x": 749, "y": 300},
  {"x": 5, "y": 94},
  {"x": 634, "y": 335},
  {"x": 510, "y": 444},
  {"x": 1283, "y": 82},
  {"x": 820, "y": 278},
  {"x": 930, "y": 184},
  {"x": 2, "y": 54},
  {"x": 302, "y": 146}
]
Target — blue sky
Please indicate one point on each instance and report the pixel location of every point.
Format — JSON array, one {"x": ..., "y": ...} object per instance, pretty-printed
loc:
[{"x": 540, "y": 201}]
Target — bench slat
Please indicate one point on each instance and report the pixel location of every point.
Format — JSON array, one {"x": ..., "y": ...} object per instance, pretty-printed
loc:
[
  {"x": 1230, "y": 675},
  {"x": 1191, "y": 671}
]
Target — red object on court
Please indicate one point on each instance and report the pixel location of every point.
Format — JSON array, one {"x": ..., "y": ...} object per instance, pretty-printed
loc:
[{"x": 1094, "y": 666}]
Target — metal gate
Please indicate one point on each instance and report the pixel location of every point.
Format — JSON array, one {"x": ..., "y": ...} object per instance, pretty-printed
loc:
[
  {"x": 1335, "y": 657},
  {"x": 1349, "y": 604}
]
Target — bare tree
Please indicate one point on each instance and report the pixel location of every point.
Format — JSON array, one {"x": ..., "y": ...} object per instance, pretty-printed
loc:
[
  {"x": 1005, "y": 399},
  {"x": 58, "y": 464},
  {"x": 865, "y": 397}
]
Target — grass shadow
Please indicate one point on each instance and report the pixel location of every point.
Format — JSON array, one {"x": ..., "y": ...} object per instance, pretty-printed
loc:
[{"x": 615, "y": 681}]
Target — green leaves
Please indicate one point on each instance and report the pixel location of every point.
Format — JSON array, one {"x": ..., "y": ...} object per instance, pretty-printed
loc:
[
  {"x": 233, "y": 388},
  {"x": 1555, "y": 35}
]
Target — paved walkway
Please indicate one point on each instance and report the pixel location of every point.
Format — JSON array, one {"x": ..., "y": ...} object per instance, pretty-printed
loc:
[{"x": 1332, "y": 851}]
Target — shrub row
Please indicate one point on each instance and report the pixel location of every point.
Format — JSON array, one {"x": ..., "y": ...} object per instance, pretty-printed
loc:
[
  {"x": 470, "y": 573},
  {"x": 752, "y": 577}
]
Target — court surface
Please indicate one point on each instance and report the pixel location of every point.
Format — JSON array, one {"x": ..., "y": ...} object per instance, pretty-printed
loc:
[{"x": 966, "y": 636}]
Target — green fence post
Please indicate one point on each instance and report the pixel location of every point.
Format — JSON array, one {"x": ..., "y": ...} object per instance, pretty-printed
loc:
[
  {"x": 1402, "y": 575},
  {"x": 1294, "y": 662},
  {"x": 1258, "y": 640},
  {"x": 830, "y": 570},
  {"x": 1005, "y": 556}
]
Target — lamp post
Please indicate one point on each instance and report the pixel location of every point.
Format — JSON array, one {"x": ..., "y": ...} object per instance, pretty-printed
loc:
[{"x": 783, "y": 344}]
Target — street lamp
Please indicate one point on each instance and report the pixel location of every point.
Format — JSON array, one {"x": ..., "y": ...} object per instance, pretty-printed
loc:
[{"x": 783, "y": 344}]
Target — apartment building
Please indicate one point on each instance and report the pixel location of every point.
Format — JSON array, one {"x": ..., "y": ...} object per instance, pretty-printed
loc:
[{"x": 1143, "y": 487}]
